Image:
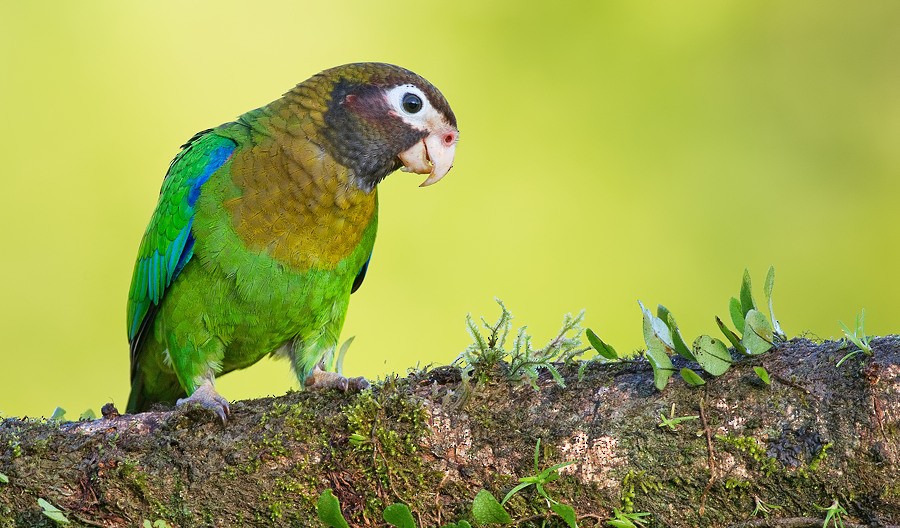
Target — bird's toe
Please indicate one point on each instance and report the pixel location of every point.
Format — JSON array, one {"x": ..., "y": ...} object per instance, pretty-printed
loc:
[{"x": 206, "y": 397}]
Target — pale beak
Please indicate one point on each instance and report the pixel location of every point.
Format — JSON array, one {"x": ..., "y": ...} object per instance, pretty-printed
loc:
[{"x": 433, "y": 155}]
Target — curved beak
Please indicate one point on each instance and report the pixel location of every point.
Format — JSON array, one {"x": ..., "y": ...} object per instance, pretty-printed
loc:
[{"x": 433, "y": 155}]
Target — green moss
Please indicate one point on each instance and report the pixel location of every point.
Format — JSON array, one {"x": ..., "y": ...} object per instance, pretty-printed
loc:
[
  {"x": 736, "y": 484},
  {"x": 891, "y": 491},
  {"x": 276, "y": 510},
  {"x": 815, "y": 462},
  {"x": 39, "y": 446},
  {"x": 386, "y": 427},
  {"x": 634, "y": 481},
  {"x": 134, "y": 476},
  {"x": 14, "y": 446},
  {"x": 750, "y": 447}
]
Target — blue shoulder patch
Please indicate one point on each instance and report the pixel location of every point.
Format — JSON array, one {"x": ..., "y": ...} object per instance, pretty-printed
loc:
[{"x": 164, "y": 257}]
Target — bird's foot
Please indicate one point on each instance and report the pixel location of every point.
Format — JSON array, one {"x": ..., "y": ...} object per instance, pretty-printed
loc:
[
  {"x": 322, "y": 380},
  {"x": 206, "y": 397}
]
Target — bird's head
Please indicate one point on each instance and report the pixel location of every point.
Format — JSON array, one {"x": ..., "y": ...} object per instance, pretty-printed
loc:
[{"x": 380, "y": 118}]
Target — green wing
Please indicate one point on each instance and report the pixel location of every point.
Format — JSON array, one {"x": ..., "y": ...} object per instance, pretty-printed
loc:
[{"x": 168, "y": 242}]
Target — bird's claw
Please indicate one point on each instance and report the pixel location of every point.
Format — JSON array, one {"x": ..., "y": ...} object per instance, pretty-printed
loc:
[
  {"x": 322, "y": 380},
  {"x": 206, "y": 397}
]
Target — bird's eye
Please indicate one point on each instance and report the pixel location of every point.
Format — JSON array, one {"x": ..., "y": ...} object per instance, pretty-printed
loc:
[{"x": 412, "y": 103}]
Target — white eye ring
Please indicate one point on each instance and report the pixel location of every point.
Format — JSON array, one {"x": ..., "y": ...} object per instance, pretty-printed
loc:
[{"x": 399, "y": 95}]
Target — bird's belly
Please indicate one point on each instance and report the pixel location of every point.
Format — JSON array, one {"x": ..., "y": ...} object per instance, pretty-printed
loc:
[{"x": 266, "y": 314}]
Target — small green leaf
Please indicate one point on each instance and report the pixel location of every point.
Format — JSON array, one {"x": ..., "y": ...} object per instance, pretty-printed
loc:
[
  {"x": 626, "y": 520},
  {"x": 770, "y": 282},
  {"x": 763, "y": 375},
  {"x": 737, "y": 315},
  {"x": 692, "y": 378},
  {"x": 656, "y": 326},
  {"x": 659, "y": 344},
  {"x": 680, "y": 347},
  {"x": 846, "y": 357},
  {"x": 602, "y": 348},
  {"x": 52, "y": 511},
  {"x": 566, "y": 512},
  {"x": 557, "y": 377},
  {"x": 712, "y": 355},
  {"x": 516, "y": 489},
  {"x": 486, "y": 509},
  {"x": 399, "y": 515},
  {"x": 770, "y": 285},
  {"x": 731, "y": 336},
  {"x": 758, "y": 334},
  {"x": 850, "y": 335},
  {"x": 672, "y": 421},
  {"x": 59, "y": 414},
  {"x": 357, "y": 439},
  {"x": 552, "y": 473},
  {"x": 147, "y": 524},
  {"x": 858, "y": 336},
  {"x": 88, "y": 415},
  {"x": 661, "y": 363},
  {"x": 342, "y": 352},
  {"x": 747, "y": 302},
  {"x": 159, "y": 523},
  {"x": 329, "y": 510},
  {"x": 4, "y": 479}
]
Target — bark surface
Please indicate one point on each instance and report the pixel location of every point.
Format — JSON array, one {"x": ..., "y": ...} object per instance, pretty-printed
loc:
[{"x": 816, "y": 434}]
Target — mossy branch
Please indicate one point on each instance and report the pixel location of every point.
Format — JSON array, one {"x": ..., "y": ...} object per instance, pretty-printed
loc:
[{"x": 763, "y": 455}]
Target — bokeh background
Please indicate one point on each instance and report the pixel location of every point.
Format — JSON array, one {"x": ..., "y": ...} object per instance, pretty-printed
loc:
[{"x": 610, "y": 151}]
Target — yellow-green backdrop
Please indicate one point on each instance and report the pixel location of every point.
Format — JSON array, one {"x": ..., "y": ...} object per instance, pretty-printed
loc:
[{"x": 610, "y": 151}]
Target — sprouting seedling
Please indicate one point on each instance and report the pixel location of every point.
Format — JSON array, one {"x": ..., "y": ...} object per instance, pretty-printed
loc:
[
  {"x": 627, "y": 520},
  {"x": 486, "y": 509},
  {"x": 540, "y": 478},
  {"x": 858, "y": 337},
  {"x": 763, "y": 508},
  {"x": 758, "y": 335},
  {"x": 663, "y": 338},
  {"x": 833, "y": 514},
  {"x": 672, "y": 421}
]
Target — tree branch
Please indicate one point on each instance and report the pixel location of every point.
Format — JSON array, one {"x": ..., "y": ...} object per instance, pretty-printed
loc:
[{"x": 816, "y": 434}]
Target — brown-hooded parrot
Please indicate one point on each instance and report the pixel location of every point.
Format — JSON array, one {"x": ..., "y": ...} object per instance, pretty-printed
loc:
[{"x": 265, "y": 226}]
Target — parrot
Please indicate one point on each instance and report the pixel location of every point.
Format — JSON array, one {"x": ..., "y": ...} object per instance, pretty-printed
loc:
[{"x": 265, "y": 225}]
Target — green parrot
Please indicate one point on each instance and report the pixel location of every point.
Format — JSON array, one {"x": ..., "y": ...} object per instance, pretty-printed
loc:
[{"x": 265, "y": 226}]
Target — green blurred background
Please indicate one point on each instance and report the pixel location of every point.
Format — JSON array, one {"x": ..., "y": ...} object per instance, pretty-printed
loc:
[{"x": 611, "y": 151}]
